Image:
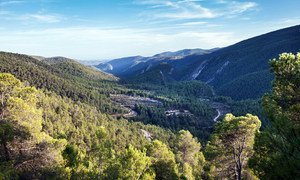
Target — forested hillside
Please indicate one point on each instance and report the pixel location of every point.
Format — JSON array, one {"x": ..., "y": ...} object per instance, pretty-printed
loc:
[
  {"x": 182, "y": 107},
  {"x": 68, "y": 78},
  {"x": 241, "y": 62},
  {"x": 149, "y": 90},
  {"x": 239, "y": 71},
  {"x": 45, "y": 135},
  {"x": 64, "y": 77}
]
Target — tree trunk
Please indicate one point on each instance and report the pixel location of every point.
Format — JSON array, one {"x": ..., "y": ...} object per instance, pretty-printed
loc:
[
  {"x": 6, "y": 152},
  {"x": 2, "y": 107},
  {"x": 239, "y": 173}
]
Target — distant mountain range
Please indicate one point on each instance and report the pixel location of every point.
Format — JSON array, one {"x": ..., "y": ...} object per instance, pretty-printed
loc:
[
  {"x": 131, "y": 65},
  {"x": 240, "y": 71}
]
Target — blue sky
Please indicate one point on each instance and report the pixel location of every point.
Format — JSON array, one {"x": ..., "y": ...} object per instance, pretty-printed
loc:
[{"x": 105, "y": 29}]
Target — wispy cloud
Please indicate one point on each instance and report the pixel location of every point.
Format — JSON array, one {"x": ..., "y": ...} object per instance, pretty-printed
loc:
[
  {"x": 195, "y": 23},
  {"x": 31, "y": 18},
  {"x": 195, "y": 9},
  {"x": 72, "y": 42},
  {"x": 236, "y": 8},
  {"x": 6, "y": 3},
  {"x": 240, "y": 7},
  {"x": 180, "y": 9},
  {"x": 46, "y": 18},
  {"x": 7, "y": 12}
]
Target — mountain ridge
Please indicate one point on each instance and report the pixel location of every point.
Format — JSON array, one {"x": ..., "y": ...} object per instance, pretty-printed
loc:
[
  {"x": 229, "y": 65},
  {"x": 125, "y": 65}
]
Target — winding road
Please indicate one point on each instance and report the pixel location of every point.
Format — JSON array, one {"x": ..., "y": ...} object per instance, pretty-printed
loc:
[
  {"x": 221, "y": 109},
  {"x": 217, "y": 117}
]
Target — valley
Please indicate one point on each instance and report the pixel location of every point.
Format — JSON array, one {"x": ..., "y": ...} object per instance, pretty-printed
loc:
[
  {"x": 129, "y": 103},
  {"x": 239, "y": 71},
  {"x": 165, "y": 89},
  {"x": 190, "y": 114},
  {"x": 221, "y": 108}
]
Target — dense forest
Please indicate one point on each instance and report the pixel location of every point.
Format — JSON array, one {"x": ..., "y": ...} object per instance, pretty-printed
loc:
[
  {"x": 57, "y": 122},
  {"x": 183, "y": 97},
  {"x": 64, "y": 77},
  {"x": 232, "y": 71}
]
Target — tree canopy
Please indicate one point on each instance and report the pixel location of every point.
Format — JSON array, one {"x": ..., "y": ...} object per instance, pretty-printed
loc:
[
  {"x": 278, "y": 148},
  {"x": 231, "y": 146}
]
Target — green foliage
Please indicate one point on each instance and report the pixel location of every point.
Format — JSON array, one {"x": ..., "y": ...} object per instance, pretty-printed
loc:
[
  {"x": 191, "y": 160},
  {"x": 38, "y": 124},
  {"x": 70, "y": 154},
  {"x": 175, "y": 89},
  {"x": 277, "y": 149},
  {"x": 163, "y": 161},
  {"x": 180, "y": 96},
  {"x": 231, "y": 145},
  {"x": 254, "y": 107},
  {"x": 158, "y": 75},
  {"x": 249, "y": 86},
  {"x": 7, "y": 171},
  {"x": 240, "y": 108},
  {"x": 134, "y": 164},
  {"x": 43, "y": 122},
  {"x": 197, "y": 124},
  {"x": 64, "y": 77},
  {"x": 22, "y": 140},
  {"x": 61, "y": 132}
]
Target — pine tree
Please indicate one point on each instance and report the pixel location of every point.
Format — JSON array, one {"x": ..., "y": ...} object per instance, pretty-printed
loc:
[
  {"x": 23, "y": 141},
  {"x": 231, "y": 145},
  {"x": 188, "y": 154},
  {"x": 277, "y": 150},
  {"x": 163, "y": 161}
]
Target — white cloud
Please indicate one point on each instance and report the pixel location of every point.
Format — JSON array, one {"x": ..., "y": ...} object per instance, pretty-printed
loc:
[
  {"x": 11, "y": 2},
  {"x": 31, "y": 18},
  {"x": 39, "y": 16},
  {"x": 47, "y": 18},
  {"x": 240, "y": 7},
  {"x": 195, "y": 23},
  {"x": 235, "y": 8},
  {"x": 93, "y": 42},
  {"x": 180, "y": 9},
  {"x": 194, "y": 9}
]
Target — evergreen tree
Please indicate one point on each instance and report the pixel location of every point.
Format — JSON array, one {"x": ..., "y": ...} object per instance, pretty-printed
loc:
[
  {"x": 231, "y": 145},
  {"x": 23, "y": 142},
  {"x": 188, "y": 155},
  {"x": 278, "y": 148},
  {"x": 163, "y": 161},
  {"x": 130, "y": 164}
]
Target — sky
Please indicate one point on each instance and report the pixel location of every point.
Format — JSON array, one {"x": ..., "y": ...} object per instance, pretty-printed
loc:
[{"x": 107, "y": 29}]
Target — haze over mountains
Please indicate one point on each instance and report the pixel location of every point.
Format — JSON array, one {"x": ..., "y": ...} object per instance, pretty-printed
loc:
[
  {"x": 86, "y": 123},
  {"x": 240, "y": 71},
  {"x": 126, "y": 65},
  {"x": 149, "y": 90}
]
